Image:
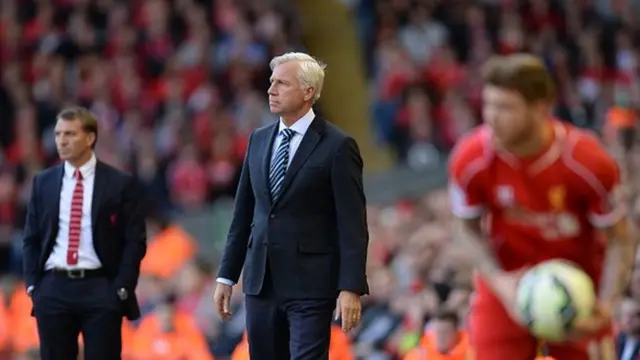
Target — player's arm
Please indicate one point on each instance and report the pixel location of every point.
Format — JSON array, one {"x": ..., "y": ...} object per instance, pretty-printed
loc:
[
  {"x": 467, "y": 201},
  {"x": 467, "y": 234},
  {"x": 468, "y": 198},
  {"x": 620, "y": 254},
  {"x": 608, "y": 210}
]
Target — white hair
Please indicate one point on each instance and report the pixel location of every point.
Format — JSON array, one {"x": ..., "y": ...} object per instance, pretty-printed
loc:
[{"x": 310, "y": 70}]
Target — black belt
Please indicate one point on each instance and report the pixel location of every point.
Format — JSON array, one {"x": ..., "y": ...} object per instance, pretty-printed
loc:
[{"x": 78, "y": 273}]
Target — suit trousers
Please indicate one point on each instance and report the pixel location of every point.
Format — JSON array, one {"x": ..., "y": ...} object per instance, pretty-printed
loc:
[
  {"x": 283, "y": 329},
  {"x": 66, "y": 307}
]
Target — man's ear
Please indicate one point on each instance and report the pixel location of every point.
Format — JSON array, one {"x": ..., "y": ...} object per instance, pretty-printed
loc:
[
  {"x": 91, "y": 138},
  {"x": 309, "y": 93}
]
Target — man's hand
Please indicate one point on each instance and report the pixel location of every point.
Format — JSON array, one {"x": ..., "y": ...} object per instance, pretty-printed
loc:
[
  {"x": 505, "y": 286},
  {"x": 222, "y": 300},
  {"x": 592, "y": 326},
  {"x": 348, "y": 307}
]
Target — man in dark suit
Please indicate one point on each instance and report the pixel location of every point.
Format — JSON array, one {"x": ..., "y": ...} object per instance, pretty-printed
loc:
[
  {"x": 299, "y": 227},
  {"x": 84, "y": 240},
  {"x": 628, "y": 341}
]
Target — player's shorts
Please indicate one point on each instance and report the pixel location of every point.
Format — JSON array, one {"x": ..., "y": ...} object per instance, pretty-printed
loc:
[{"x": 494, "y": 336}]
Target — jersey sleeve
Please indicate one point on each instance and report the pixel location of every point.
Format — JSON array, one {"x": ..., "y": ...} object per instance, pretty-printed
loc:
[
  {"x": 465, "y": 193},
  {"x": 606, "y": 204}
]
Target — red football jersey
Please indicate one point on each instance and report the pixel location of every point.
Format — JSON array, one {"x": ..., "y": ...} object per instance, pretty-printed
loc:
[{"x": 542, "y": 207}]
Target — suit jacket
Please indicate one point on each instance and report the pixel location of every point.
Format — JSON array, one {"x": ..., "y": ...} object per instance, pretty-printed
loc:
[
  {"x": 119, "y": 230},
  {"x": 621, "y": 341},
  {"x": 315, "y": 235}
]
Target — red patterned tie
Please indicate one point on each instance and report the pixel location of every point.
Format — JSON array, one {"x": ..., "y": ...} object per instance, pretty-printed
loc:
[{"x": 75, "y": 220}]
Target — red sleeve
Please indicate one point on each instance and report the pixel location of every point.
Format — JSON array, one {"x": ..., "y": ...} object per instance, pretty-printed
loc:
[
  {"x": 466, "y": 194},
  {"x": 602, "y": 175}
]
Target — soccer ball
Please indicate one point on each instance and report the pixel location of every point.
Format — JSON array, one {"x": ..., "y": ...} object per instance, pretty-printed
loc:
[{"x": 552, "y": 295}]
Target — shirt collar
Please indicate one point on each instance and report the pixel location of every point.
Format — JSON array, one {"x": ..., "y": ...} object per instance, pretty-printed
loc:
[
  {"x": 302, "y": 125},
  {"x": 86, "y": 170}
]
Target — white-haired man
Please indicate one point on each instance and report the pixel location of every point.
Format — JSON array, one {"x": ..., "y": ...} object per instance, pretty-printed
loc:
[{"x": 299, "y": 226}]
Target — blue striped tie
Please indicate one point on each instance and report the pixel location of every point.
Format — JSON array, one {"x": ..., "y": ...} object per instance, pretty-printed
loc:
[{"x": 279, "y": 164}]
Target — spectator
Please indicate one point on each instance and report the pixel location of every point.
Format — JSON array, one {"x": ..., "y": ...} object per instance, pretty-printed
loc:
[
  {"x": 439, "y": 45},
  {"x": 443, "y": 340},
  {"x": 4, "y": 327},
  {"x": 628, "y": 341},
  {"x": 169, "y": 333}
]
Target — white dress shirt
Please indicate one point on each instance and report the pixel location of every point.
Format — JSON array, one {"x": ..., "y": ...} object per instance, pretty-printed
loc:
[
  {"x": 628, "y": 349},
  {"x": 299, "y": 128},
  {"x": 87, "y": 258}
]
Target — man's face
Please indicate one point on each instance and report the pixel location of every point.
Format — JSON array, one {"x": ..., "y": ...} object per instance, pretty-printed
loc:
[
  {"x": 507, "y": 114},
  {"x": 71, "y": 140},
  {"x": 630, "y": 316},
  {"x": 446, "y": 335},
  {"x": 286, "y": 94}
]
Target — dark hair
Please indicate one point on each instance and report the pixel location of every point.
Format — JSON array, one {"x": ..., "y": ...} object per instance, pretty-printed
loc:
[
  {"x": 522, "y": 73},
  {"x": 449, "y": 315},
  {"x": 86, "y": 118},
  {"x": 170, "y": 298},
  {"x": 203, "y": 265}
]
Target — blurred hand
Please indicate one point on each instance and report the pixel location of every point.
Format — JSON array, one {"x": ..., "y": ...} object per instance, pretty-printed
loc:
[
  {"x": 349, "y": 309},
  {"x": 505, "y": 286},
  {"x": 222, "y": 300},
  {"x": 590, "y": 327}
]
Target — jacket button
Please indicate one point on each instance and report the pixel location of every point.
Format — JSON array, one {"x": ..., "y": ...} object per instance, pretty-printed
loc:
[{"x": 273, "y": 216}]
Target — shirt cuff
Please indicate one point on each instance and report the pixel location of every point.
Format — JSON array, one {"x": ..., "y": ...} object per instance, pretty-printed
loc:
[{"x": 225, "y": 281}]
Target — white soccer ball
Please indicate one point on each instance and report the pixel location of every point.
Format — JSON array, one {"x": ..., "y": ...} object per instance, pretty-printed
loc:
[{"x": 552, "y": 296}]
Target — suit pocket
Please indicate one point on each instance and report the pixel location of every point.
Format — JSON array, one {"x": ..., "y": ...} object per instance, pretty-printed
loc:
[
  {"x": 314, "y": 247},
  {"x": 112, "y": 298}
]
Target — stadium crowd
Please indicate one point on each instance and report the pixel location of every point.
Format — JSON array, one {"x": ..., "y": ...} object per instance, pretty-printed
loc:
[
  {"x": 427, "y": 57},
  {"x": 178, "y": 86}
]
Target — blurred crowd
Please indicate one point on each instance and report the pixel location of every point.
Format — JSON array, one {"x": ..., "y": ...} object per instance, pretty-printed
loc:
[
  {"x": 178, "y": 85},
  {"x": 426, "y": 59}
]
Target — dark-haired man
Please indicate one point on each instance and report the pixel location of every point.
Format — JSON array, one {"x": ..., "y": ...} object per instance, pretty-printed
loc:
[
  {"x": 84, "y": 239},
  {"x": 545, "y": 190}
]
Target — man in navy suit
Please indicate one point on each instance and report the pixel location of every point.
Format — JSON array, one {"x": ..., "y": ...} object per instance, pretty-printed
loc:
[
  {"x": 84, "y": 240},
  {"x": 628, "y": 341},
  {"x": 299, "y": 227}
]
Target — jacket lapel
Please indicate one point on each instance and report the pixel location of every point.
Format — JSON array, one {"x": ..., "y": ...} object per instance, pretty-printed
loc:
[
  {"x": 55, "y": 195},
  {"x": 308, "y": 144},
  {"x": 53, "y": 187},
  {"x": 620, "y": 339},
  {"x": 636, "y": 352},
  {"x": 100, "y": 181},
  {"x": 267, "y": 148}
]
